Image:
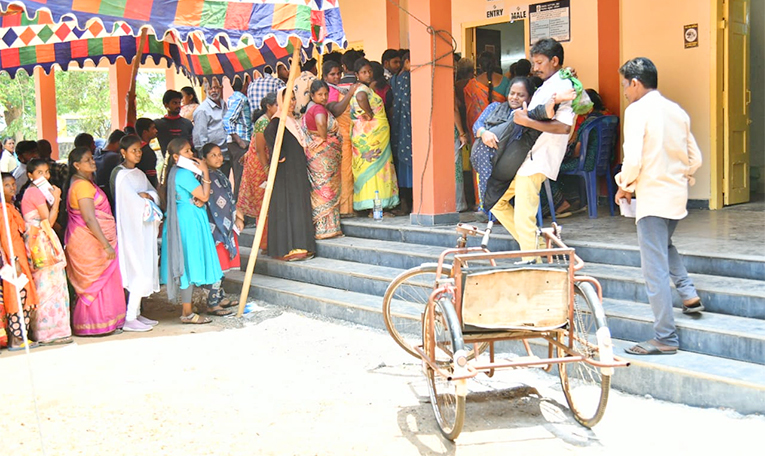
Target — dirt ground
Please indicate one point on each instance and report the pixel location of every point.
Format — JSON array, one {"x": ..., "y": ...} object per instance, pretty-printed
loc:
[{"x": 283, "y": 383}]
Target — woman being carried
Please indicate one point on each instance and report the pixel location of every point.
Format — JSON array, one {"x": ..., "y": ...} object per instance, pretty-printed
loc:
[
  {"x": 503, "y": 146},
  {"x": 189, "y": 256},
  {"x": 323, "y": 154},
  {"x": 27, "y": 298},
  {"x": 91, "y": 251},
  {"x": 138, "y": 219},
  {"x": 373, "y": 169},
  {"x": 225, "y": 220},
  {"x": 291, "y": 235},
  {"x": 50, "y": 323}
]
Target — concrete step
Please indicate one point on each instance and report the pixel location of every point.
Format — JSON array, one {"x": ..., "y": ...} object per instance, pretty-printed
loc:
[
  {"x": 741, "y": 266},
  {"x": 725, "y": 295},
  {"x": 688, "y": 378},
  {"x": 712, "y": 334}
]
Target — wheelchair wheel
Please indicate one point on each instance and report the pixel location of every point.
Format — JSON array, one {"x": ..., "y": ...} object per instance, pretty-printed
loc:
[
  {"x": 442, "y": 337},
  {"x": 586, "y": 388},
  {"x": 404, "y": 303}
]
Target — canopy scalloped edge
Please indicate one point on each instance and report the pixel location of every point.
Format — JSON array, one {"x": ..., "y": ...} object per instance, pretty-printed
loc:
[{"x": 319, "y": 24}]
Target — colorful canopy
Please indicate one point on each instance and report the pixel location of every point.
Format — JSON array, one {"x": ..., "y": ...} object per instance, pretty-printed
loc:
[{"x": 210, "y": 37}]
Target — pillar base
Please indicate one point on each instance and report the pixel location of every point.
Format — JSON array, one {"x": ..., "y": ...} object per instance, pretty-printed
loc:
[{"x": 451, "y": 218}]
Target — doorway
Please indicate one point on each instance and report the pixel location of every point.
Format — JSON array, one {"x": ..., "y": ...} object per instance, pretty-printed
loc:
[{"x": 506, "y": 40}]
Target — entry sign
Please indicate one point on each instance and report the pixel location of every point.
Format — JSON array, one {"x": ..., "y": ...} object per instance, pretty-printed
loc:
[
  {"x": 691, "y": 35},
  {"x": 550, "y": 20},
  {"x": 495, "y": 8}
]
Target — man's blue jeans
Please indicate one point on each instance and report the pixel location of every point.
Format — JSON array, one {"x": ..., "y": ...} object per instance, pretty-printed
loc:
[{"x": 660, "y": 261}]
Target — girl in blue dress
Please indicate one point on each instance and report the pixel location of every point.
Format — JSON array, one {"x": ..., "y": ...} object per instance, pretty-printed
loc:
[{"x": 189, "y": 257}]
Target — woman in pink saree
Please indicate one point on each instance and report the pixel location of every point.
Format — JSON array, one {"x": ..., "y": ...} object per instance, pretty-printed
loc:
[{"x": 91, "y": 252}]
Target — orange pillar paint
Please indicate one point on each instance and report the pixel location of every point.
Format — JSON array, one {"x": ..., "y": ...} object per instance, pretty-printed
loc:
[
  {"x": 393, "y": 26},
  {"x": 434, "y": 175},
  {"x": 45, "y": 102},
  {"x": 119, "y": 83},
  {"x": 608, "y": 54}
]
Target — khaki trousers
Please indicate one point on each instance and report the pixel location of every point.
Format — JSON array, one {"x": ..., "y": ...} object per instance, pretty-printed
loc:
[{"x": 521, "y": 220}]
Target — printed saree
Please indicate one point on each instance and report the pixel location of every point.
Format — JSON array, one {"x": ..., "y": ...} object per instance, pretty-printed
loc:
[{"x": 100, "y": 306}]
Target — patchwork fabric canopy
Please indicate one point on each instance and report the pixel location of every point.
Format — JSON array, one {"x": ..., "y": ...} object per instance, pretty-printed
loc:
[{"x": 195, "y": 34}]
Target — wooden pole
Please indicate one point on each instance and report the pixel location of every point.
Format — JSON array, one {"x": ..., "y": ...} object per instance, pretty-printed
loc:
[
  {"x": 131, "y": 115},
  {"x": 294, "y": 69}
]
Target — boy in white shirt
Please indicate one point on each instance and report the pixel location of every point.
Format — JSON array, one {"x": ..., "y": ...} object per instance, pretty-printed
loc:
[{"x": 660, "y": 157}]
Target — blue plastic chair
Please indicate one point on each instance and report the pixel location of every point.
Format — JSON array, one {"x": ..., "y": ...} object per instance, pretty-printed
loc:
[{"x": 605, "y": 129}]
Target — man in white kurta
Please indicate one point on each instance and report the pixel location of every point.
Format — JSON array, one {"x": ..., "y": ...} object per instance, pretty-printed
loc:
[
  {"x": 544, "y": 159},
  {"x": 660, "y": 157}
]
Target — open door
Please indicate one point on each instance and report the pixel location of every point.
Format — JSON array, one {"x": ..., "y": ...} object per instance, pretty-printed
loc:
[{"x": 736, "y": 99}]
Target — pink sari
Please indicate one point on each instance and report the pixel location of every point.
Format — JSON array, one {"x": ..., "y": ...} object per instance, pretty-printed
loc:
[{"x": 100, "y": 307}]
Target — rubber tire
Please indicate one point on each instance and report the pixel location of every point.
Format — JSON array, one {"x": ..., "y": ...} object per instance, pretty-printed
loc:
[
  {"x": 428, "y": 268},
  {"x": 450, "y": 430},
  {"x": 587, "y": 293}
]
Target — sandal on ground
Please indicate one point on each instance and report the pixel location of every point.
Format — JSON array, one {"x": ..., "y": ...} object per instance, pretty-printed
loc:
[
  {"x": 226, "y": 303},
  {"x": 692, "y": 307},
  {"x": 62, "y": 341},
  {"x": 195, "y": 319},
  {"x": 23, "y": 346},
  {"x": 648, "y": 348},
  {"x": 218, "y": 311}
]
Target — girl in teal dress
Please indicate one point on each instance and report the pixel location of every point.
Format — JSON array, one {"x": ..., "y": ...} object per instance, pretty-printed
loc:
[{"x": 189, "y": 256}]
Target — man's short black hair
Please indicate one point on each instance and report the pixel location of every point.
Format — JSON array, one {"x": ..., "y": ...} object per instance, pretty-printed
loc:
[
  {"x": 643, "y": 70},
  {"x": 308, "y": 65},
  {"x": 171, "y": 95},
  {"x": 237, "y": 84},
  {"x": 523, "y": 67},
  {"x": 142, "y": 125},
  {"x": 549, "y": 48},
  {"x": 82, "y": 140},
  {"x": 389, "y": 55},
  {"x": 115, "y": 136},
  {"x": 24, "y": 147},
  {"x": 349, "y": 59}
]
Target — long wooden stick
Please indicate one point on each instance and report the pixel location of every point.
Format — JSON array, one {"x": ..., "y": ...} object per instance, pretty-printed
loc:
[
  {"x": 294, "y": 69},
  {"x": 131, "y": 114}
]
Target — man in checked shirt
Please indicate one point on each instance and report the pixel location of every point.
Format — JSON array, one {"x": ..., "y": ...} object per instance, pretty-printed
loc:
[{"x": 238, "y": 124}]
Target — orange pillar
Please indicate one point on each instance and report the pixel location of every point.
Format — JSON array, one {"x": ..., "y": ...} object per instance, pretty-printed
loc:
[
  {"x": 119, "y": 83},
  {"x": 432, "y": 95},
  {"x": 45, "y": 102},
  {"x": 392, "y": 25},
  {"x": 608, "y": 54},
  {"x": 609, "y": 85}
]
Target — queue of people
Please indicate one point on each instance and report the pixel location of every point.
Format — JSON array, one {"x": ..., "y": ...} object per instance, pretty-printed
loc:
[{"x": 347, "y": 148}]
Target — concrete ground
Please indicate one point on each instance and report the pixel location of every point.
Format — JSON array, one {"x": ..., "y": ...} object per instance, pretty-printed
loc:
[{"x": 283, "y": 383}]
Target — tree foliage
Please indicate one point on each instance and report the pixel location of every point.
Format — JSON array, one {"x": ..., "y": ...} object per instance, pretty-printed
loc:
[{"x": 81, "y": 95}]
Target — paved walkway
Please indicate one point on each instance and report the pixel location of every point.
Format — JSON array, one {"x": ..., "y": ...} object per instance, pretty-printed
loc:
[{"x": 293, "y": 385}]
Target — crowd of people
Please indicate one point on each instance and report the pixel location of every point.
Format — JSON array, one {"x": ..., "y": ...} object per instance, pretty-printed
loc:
[{"x": 84, "y": 234}]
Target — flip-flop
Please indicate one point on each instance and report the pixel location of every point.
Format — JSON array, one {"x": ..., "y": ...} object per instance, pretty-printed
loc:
[
  {"x": 648, "y": 349},
  {"x": 21, "y": 347},
  {"x": 226, "y": 303},
  {"x": 218, "y": 312},
  {"x": 195, "y": 319},
  {"x": 696, "y": 307}
]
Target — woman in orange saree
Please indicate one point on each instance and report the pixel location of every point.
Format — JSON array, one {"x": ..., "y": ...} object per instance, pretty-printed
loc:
[
  {"x": 91, "y": 252},
  {"x": 478, "y": 90}
]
